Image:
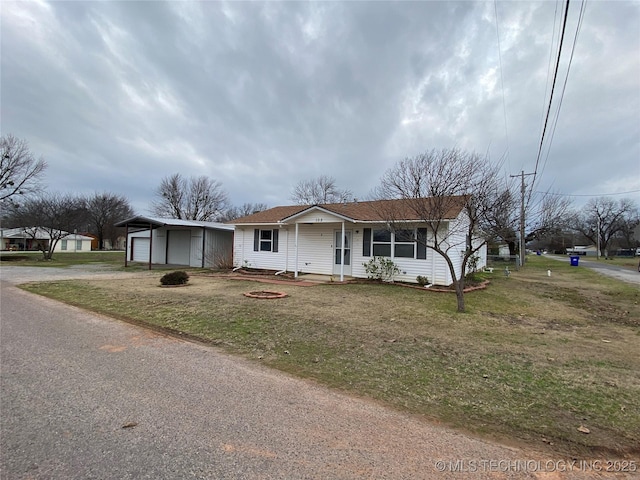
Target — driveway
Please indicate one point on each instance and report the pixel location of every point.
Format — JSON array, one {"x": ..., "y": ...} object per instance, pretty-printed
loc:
[{"x": 621, "y": 273}]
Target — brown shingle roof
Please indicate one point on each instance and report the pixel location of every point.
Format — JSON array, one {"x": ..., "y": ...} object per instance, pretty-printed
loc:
[{"x": 372, "y": 211}]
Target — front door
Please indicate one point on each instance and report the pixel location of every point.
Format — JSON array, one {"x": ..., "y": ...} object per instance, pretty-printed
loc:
[{"x": 337, "y": 257}]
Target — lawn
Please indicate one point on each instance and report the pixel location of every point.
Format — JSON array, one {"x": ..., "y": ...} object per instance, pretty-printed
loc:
[
  {"x": 113, "y": 258},
  {"x": 534, "y": 359}
]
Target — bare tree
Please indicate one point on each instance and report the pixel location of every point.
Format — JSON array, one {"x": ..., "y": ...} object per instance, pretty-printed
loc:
[
  {"x": 604, "y": 218},
  {"x": 246, "y": 209},
  {"x": 548, "y": 215},
  {"x": 54, "y": 215},
  {"x": 435, "y": 185},
  {"x": 195, "y": 198},
  {"x": 103, "y": 211},
  {"x": 319, "y": 191},
  {"x": 19, "y": 169}
]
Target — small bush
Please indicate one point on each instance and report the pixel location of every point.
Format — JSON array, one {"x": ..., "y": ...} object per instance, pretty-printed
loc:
[
  {"x": 175, "y": 278},
  {"x": 422, "y": 281},
  {"x": 380, "y": 268}
]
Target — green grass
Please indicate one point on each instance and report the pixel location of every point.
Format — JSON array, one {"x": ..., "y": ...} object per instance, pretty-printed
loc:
[
  {"x": 534, "y": 357},
  {"x": 63, "y": 259}
]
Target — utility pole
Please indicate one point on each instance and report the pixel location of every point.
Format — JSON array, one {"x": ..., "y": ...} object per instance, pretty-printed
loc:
[{"x": 522, "y": 214}]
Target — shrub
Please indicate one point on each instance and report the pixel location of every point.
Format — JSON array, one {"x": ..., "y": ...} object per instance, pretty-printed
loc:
[
  {"x": 422, "y": 281},
  {"x": 380, "y": 268},
  {"x": 178, "y": 277}
]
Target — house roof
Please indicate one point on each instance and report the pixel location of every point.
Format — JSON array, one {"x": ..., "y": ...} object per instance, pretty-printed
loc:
[
  {"x": 156, "y": 222},
  {"x": 371, "y": 211},
  {"x": 40, "y": 233}
]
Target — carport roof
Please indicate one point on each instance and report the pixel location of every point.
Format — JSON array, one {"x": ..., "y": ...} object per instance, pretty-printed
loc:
[{"x": 156, "y": 222}]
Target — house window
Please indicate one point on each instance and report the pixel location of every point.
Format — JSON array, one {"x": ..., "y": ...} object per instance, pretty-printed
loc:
[
  {"x": 63, "y": 244},
  {"x": 265, "y": 240},
  {"x": 404, "y": 244},
  {"x": 381, "y": 243},
  {"x": 78, "y": 244}
]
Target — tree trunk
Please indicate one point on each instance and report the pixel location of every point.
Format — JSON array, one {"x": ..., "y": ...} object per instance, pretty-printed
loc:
[{"x": 459, "y": 284}]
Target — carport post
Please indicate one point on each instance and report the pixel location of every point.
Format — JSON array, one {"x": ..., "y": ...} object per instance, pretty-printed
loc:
[
  {"x": 150, "y": 242},
  {"x": 126, "y": 244},
  {"x": 204, "y": 232}
]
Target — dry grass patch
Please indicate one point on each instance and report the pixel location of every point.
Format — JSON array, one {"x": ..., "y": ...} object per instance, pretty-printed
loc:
[{"x": 534, "y": 358}]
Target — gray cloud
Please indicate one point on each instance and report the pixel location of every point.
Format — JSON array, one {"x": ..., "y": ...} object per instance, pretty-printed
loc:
[{"x": 117, "y": 95}]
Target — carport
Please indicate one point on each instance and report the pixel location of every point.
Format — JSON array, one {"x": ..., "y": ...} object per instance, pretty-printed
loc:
[{"x": 175, "y": 241}]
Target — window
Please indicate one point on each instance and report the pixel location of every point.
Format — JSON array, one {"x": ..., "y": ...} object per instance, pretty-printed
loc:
[
  {"x": 63, "y": 244},
  {"x": 381, "y": 243},
  {"x": 78, "y": 244},
  {"x": 404, "y": 245},
  {"x": 265, "y": 240}
]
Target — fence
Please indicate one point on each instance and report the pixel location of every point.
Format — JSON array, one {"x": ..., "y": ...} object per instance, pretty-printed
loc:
[{"x": 503, "y": 261}]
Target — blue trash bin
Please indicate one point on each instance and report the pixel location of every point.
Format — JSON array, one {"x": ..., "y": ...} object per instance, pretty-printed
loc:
[{"x": 574, "y": 260}]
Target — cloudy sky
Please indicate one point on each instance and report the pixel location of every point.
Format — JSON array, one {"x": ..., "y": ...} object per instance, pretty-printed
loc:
[{"x": 117, "y": 95}]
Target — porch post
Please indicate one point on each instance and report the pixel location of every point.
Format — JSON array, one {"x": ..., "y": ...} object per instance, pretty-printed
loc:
[
  {"x": 342, "y": 242},
  {"x": 295, "y": 267}
]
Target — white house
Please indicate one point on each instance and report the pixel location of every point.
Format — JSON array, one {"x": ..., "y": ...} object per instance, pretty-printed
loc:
[
  {"x": 169, "y": 241},
  {"x": 29, "y": 239},
  {"x": 337, "y": 239}
]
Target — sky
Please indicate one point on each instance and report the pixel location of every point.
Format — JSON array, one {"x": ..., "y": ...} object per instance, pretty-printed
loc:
[{"x": 261, "y": 95}]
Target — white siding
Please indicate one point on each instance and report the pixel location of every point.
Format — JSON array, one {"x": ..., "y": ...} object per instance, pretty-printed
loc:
[
  {"x": 159, "y": 247},
  {"x": 315, "y": 217},
  {"x": 72, "y": 246},
  {"x": 244, "y": 254},
  {"x": 316, "y": 251},
  {"x": 218, "y": 248},
  {"x": 179, "y": 247},
  {"x": 434, "y": 267},
  {"x": 315, "y": 248}
]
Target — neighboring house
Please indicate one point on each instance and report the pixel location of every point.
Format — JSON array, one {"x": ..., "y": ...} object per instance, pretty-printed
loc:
[
  {"x": 120, "y": 243},
  {"x": 168, "y": 241},
  {"x": 337, "y": 239},
  {"x": 30, "y": 239},
  {"x": 586, "y": 250}
]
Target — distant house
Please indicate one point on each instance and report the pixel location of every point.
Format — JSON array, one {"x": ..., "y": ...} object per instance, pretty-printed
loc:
[
  {"x": 168, "y": 241},
  {"x": 337, "y": 239},
  {"x": 33, "y": 239},
  {"x": 586, "y": 250}
]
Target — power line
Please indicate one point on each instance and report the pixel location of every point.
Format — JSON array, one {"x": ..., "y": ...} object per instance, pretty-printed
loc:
[
  {"x": 586, "y": 194},
  {"x": 504, "y": 106},
  {"x": 564, "y": 86},
  {"x": 553, "y": 85}
]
